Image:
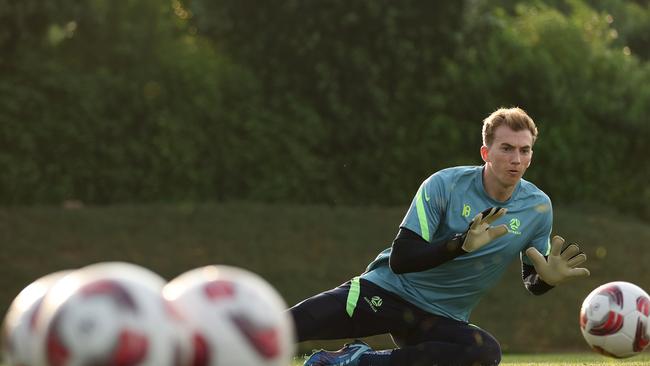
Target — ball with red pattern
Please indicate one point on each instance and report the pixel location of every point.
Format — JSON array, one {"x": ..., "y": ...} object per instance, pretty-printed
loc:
[
  {"x": 109, "y": 314},
  {"x": 19, "y": 323},
  {"x": 237, "y": 317},
  {"x": 614, "y": 319}
]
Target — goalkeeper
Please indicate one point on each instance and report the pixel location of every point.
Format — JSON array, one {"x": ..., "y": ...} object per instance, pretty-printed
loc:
[{"x": 463, "y": 228}]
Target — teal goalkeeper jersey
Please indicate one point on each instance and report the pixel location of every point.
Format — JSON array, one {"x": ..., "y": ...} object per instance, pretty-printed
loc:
[{"x": 443, "y": 206}]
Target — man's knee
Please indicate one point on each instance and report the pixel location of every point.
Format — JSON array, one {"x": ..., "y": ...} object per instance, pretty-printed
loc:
[
  {"x": 487, "y": 349},
  {"x": 320, "y": 317},
  {"x": 306, "y": 326}
]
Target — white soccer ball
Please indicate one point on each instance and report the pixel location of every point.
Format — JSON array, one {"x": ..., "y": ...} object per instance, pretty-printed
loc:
[
  {"x": 18, "y": 326},
  {"x": 109, "y": 313},
  {"x": 237, "y": 317},
  {"x": 614, "y": 319}
]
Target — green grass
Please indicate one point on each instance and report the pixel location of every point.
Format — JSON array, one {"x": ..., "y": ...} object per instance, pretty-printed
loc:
[
  {"x": 303, "y": 250},
  {"x": 554, "y": 359},
  {"x": 560, "y": 359},
  {"x": 572, "y": 359}
]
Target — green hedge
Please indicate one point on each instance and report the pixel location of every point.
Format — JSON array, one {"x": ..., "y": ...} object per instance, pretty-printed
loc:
[{"x": 324, "y": 102}]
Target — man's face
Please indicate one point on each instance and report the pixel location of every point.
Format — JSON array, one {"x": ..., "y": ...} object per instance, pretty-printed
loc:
[{"x": 509, "y": 155}]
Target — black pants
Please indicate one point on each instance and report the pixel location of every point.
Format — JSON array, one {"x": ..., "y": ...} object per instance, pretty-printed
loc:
[{"x": 422, "y": 338}]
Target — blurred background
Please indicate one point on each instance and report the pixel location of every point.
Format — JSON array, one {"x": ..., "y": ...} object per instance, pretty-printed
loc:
[{"x": 289, "y": 137}]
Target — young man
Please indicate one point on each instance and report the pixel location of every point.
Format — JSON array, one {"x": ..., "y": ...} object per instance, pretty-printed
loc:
[{"x": 444, "y": 258}]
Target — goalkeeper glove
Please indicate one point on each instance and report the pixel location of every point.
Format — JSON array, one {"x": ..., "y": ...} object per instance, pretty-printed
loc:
[
  {"x": 480, "y": 232},
  {"x": 561, "y": 264}
]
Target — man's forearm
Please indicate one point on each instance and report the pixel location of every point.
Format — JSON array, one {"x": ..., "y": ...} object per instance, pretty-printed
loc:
[{"x": 411, "y": 253}]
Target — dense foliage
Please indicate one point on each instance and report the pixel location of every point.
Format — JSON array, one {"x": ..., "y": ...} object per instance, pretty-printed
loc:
[{"x": 326, "y": 101}]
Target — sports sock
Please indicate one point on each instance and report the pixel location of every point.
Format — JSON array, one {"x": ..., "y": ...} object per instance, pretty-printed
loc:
[{"x": 376, "y": 358}]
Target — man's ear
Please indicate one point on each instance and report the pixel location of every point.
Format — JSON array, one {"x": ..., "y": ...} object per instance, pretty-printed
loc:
[{"x": 484, "y": 153}]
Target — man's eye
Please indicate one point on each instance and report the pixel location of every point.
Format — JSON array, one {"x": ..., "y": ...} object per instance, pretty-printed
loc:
[{"x": 507, "y": 148}]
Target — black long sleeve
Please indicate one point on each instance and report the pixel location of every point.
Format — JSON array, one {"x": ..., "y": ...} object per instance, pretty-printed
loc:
[
  {"x": 411, "y": 253},
  {"x": 532, "y": 281}
]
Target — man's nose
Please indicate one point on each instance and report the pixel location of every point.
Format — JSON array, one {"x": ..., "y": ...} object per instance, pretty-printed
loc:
[{"x": 516, "y": 158}]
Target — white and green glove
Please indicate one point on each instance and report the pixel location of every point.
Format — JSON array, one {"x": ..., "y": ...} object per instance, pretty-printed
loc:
[
  {"x": 561, "y": 265},
  {"x": 480, "y": 232}
]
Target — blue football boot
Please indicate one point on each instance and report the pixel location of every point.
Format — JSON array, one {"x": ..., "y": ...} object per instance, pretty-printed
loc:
[{"x": 347, "y": 356}]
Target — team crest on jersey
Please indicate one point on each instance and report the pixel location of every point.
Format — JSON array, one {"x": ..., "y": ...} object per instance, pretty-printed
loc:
[{"x": 514, "y": 226}]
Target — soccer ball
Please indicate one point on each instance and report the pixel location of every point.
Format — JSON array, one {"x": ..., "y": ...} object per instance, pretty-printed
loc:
[
  {"x": 237, "y": 317},
  {"x": 108, "y": 313},
  {"x": 18, "y": 325},
  {"x": 614, "y": 319}
]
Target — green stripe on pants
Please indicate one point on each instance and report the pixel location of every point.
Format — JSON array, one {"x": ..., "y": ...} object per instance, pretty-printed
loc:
[{"x": 353, "y": 296}]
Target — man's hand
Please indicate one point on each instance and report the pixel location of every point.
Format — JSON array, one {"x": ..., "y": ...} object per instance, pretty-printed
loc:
[
  {"x": 560, "y": 265},
  {"x": 480, "y": 232}
]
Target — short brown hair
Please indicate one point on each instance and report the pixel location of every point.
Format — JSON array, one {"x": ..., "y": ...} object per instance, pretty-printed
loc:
[{"x": 515, "y": 118}]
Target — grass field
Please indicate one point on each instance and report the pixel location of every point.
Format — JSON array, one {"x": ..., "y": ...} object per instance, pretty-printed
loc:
[
  {"x": 572, "y": 359},
  {"x": 303, "y": 250},
  {"x": 560, "y": 359},
  {"x": 554, "y": 359}
]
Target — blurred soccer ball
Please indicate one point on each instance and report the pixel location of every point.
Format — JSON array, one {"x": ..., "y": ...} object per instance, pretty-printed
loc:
[
  {"x": 18, "y": 326},
  {"x": 614, "y": 319},
  {"x": 108, "y": 314},
  {"x": 238, "y": 318}
]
